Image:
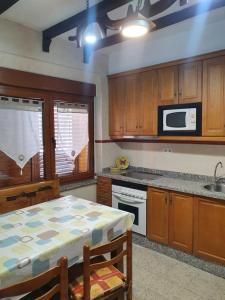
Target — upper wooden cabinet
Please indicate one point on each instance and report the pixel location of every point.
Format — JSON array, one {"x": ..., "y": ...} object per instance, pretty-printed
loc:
[
  {"x": 168, "y": 85},
  {"x": 209, "y": 229},
  {"x": 148, "y": 96},
  {"x": 131, "y": 110},
  {"x": 133, "y": 105},
  {"x": 116, "y": 106},
  {"x": 190, "y": 82},
  {"x": 214, "y": 97}
]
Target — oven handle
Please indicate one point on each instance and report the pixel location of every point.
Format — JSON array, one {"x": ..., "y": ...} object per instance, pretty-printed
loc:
[{"x": 128, "y": 201}]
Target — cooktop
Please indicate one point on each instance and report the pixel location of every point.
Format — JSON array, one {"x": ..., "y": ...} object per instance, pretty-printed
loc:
[{"x": 141, "y": 175}]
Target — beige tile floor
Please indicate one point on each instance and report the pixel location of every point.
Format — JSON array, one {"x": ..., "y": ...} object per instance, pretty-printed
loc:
[{"x": 158, "y": 277}]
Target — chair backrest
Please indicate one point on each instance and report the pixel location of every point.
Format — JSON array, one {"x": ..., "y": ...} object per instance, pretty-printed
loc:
[
  {"x": 117, "y": 248},
  {"x": 25, "y": 287}
]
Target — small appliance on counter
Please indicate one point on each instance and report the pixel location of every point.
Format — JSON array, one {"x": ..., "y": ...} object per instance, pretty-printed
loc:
[{"x": 180, "y": 120}]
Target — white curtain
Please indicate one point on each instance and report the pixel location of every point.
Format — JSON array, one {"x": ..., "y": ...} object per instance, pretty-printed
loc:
[{"x": 19, "y": 129}]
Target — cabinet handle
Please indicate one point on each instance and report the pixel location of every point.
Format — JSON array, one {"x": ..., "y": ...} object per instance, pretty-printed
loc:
[
  {"x": 170, "y": 199},
  {"x": 175, "y": 94}
]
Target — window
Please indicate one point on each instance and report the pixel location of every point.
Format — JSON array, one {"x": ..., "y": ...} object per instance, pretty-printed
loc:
[
  {"x": 64, "y": 128},
  {"x": 71, "y": 124},
  {"x": 21, "y": 161},
  {"x": 70, "y": 130}
]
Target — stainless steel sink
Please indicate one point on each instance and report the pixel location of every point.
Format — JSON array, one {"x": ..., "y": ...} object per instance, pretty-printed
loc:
[{"x": 215, "y": 187}]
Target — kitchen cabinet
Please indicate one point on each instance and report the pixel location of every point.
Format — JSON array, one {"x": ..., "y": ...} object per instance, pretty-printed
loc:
[
  {"x": 104, "y": 190},
  {"x": 148, "y": 99},
  {"x": 214, "y": 97},
  {"x": 132, "y": 105},
  {"x": 170, "y": 218},
  {"x": 181, "y": 221},
  {"x": 168, "y": 85},
  {"x": 190, "y": 82},
  {"x": 209, "y": 229},
  {"x": 157, "y": 215},
  {"x": 116, "y": 106}
]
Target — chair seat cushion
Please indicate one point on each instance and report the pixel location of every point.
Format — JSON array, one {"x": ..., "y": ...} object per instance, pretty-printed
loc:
[{"x": 102, "y": 281}]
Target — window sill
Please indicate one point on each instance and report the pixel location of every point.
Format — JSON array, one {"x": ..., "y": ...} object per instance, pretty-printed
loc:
[{"x": 76, "y": 185}]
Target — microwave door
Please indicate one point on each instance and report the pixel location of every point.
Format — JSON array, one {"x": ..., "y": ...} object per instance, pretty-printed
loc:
[{"x": 175, "y": 121}]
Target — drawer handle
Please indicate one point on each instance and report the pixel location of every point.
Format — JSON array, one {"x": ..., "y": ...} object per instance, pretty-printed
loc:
[
  {"x": 31, "y": 194},
  {"x": 12, "y": 198}
]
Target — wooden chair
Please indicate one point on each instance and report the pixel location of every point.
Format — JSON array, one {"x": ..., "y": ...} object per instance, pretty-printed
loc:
[
  {"x": 103, "y": 279},
  {"x": 60, "y": 287}
]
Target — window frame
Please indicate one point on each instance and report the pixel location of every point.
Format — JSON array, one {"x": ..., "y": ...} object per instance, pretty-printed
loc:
[{"x": 49, "y": 90}]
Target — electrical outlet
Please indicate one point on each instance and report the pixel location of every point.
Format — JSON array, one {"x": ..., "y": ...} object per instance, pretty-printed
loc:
[{"x": 167, "y": 150}]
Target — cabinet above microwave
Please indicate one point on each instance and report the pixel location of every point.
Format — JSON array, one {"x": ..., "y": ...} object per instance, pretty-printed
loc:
[{"x": 180, "y": 120}]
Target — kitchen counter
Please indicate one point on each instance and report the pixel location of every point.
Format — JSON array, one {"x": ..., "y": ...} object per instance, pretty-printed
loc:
[{"x": 174, "y": 181}]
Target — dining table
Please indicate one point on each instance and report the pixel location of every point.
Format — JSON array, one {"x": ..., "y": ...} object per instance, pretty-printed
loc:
[{"x": 33, "y": 239}]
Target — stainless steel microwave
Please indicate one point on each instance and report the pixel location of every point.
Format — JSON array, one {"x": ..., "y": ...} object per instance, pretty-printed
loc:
[{"x": 180, "y": 119}]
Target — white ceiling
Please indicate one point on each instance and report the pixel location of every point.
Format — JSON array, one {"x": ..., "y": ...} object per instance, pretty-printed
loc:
[{"x": 42, "y": 14}]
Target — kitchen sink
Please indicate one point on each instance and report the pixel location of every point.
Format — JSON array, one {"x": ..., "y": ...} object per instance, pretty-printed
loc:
[
  {"x": 215, "y": 187},
  {"x": 141, "y": 175}
]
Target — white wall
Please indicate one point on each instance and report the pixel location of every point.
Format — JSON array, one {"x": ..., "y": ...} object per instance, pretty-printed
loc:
[{"x": 190, "y": 158}]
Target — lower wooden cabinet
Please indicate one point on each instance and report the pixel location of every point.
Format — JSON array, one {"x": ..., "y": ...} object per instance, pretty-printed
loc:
[
  {"x": 181, "y": 221},
  {"x": 104, "y": 190},
  {"x": 157, "y": 215},
  {"x": 170, "y": 218},
  {"x": 209, "y": 229}
]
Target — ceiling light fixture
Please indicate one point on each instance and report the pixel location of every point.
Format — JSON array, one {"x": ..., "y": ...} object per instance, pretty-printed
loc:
[
  {"x": 135, "y": 26},
  {"x": 89, "y": 36}
]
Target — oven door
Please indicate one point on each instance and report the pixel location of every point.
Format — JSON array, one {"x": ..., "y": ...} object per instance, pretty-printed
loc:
[{"x": 132, "y": 205}]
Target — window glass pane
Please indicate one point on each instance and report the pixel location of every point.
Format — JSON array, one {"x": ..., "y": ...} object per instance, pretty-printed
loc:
[
  {"x": 21, "y": 145},
  {"x": 72, "y": 138}
]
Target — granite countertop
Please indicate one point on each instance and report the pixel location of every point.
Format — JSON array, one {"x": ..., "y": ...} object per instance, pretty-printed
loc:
[{"x": 174, "y": 181}]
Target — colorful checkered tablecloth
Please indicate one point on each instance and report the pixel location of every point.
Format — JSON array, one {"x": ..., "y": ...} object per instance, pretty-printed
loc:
[{"x": 34, "y": 238}]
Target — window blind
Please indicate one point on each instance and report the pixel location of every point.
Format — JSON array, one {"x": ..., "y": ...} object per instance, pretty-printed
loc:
[{"x": 71, "y": 134}]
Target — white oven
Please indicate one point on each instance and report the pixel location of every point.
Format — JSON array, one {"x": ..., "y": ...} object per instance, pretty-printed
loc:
[
  {"x": 131, "y": 197},
  {"x": 181, "y": 119}
]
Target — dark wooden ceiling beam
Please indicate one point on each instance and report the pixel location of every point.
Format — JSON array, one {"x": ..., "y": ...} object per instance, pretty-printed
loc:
[
  {"x": 99, "y": 10},
  {"x": 6, "y": 4},
  {"x": 161, "y": 23}
]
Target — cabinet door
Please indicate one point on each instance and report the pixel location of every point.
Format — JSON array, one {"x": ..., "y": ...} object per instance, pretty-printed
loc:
[
  {"x": 209, "y": 229},
  {"x": 181, "y": 221},
  {"x": 168, "y": 85},
  {"x": 190, "y": 82},
  {"x": 157, "y": 215},
  {"x": 213, "y": 97},
  {"x": 132, "y": 105},
  {"x": 104, "y": 190},
  {"x": 116, "y": 106},
  {"x": 148, "y": 97}
]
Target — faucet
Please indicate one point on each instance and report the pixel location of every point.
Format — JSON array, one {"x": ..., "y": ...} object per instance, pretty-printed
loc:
[{"x": 216, "y": 179}]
